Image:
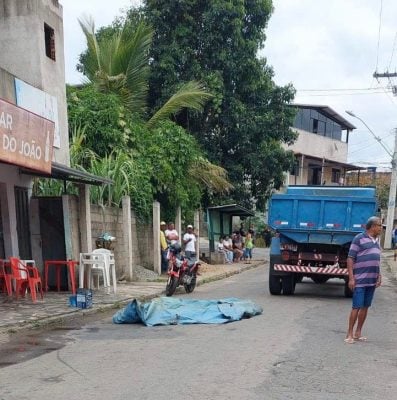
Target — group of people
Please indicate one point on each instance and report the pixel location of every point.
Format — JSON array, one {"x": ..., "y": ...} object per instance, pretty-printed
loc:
[
  {"x": 169, "y": 236},
  {"x": 237, "y": 247}
]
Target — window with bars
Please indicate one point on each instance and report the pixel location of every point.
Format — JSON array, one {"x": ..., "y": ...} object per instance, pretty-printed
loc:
[{"x": 49, "y": 38}]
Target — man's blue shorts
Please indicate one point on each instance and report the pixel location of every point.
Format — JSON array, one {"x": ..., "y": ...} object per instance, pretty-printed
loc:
[{"x": 362, "y": 296}]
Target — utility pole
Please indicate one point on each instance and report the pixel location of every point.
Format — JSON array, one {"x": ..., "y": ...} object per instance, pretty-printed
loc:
[
  {"x": 393, "y": 181},
  {"x": 392, "y": 198}
]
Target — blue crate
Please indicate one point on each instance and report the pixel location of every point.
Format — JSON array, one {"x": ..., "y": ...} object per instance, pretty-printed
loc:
[
  {"x": 84, "y": 298},
  {"x": 73, "y": 301}
]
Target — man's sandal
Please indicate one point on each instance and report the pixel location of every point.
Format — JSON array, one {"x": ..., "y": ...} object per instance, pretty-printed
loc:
[
  {"x": 361, "y": 339},
  {"x": 349, "y": 340}
]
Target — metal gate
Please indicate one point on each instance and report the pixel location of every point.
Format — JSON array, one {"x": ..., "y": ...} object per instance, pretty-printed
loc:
[{"x": 23, "y": 225}]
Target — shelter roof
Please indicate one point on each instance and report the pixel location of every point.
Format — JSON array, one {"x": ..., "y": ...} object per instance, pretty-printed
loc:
[{"x": 233, "y": 209}]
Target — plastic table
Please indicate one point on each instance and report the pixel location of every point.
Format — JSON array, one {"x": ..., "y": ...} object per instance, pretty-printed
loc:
[{"x": 70, "y": 264}]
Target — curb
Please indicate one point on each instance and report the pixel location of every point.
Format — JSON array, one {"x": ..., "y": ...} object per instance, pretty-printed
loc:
[
  {"x": 61, "y": 319},
  {"x": 386, "y": 260}
]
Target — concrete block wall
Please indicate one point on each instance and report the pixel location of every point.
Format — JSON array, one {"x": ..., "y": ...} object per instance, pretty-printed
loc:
[
  {"x": 144, "y": 244},
  {"x": 109, "y": 219}
]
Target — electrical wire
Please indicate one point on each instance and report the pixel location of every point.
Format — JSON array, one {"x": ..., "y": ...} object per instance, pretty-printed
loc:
[
  {"x": 379, "y": 30},
  {"x": 341, "y": 89},
  {"x": 344, "y": 94},
  {"x": 369, "y": 145},
  {"x": 392, "y": 52}
]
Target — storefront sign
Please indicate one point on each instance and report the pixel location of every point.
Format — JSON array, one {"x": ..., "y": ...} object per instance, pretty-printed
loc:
[{"x": 26, "y": 139}]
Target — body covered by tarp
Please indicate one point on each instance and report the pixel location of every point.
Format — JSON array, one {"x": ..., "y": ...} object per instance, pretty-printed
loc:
[{"x": 173, "y": 311}]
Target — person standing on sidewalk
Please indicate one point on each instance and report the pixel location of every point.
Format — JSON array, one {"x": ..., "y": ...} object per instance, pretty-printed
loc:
[
  {"x": 363, "y": 265},
  {"x": 248, "y": 246},
  {"x": 189, "y": 240},
  {"x": 163, "y": 247},
  {"x": 171, "y": 234}
]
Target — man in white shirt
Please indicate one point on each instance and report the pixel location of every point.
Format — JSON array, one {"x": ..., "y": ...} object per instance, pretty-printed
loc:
[{"x": 189, "y": 240}]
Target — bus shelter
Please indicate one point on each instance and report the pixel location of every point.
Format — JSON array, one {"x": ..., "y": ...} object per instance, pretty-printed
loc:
[{"x": 220, "y": 221}]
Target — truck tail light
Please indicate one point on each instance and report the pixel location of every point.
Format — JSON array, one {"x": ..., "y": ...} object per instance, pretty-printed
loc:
[{"x": 285, "y": 255}]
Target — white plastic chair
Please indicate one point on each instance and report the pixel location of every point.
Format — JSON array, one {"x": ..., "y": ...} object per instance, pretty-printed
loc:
[
  {"x": 94, "y": 264},
  {"x": 110, "y": 266}
]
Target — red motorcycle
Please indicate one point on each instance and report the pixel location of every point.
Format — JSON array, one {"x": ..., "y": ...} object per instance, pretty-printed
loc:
[{"x": 181, "y": 271}]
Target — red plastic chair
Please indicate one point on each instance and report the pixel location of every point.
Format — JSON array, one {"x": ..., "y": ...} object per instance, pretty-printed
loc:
[
  {"x": 25, "y": 276},
  {"x": 5, "y": 275}
]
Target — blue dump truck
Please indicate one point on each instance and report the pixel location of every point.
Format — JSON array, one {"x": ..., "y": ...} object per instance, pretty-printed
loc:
[{"x": 314, "y": 227}]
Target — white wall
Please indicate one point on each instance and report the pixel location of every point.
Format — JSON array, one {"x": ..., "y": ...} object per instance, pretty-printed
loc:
[
  {"x": 319, "y": 146},
  {"x": 22, "y": 49}
]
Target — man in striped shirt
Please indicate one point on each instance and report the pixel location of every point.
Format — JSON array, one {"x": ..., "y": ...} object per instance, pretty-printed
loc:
[{"x": 363, "y": 264}]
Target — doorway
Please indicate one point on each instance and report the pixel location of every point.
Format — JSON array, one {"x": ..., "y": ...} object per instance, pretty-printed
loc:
[
  {"x": 53, "y": 236},
  {"x": 2, "y": 252},
  {"x": 314, "y": 177},
  {"x": 23, "y": 222}
]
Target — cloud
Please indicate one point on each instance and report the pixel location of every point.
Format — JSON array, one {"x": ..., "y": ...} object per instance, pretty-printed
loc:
[{"x": 330, "y": 45}]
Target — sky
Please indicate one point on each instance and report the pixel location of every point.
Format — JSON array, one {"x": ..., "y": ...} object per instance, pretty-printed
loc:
[{"x": 328, "y": 50}]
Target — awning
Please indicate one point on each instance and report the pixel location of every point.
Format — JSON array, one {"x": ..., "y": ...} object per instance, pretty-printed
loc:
[
  {"x": 331, "y": 163},
  {"x": 233, "y": 209},
  {"x": 64, "y": 173}
]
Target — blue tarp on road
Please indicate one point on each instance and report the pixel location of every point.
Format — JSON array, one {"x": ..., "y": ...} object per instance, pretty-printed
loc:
[{"x": 173, "y": 311}]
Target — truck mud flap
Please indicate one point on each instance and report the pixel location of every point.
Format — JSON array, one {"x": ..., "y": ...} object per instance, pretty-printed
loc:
[{"x": 332, "y": 271}]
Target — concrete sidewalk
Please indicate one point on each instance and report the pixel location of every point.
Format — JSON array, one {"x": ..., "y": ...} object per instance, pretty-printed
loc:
[{"x": 54, "y": 309}]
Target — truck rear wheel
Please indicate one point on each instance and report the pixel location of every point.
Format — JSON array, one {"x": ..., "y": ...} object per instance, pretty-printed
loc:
[
  {"x": 319, "y": 278},
  {"x": 348, "y": 292},
  {"x": 274, "y": 284},
  {"x": 288, "y": 285}
]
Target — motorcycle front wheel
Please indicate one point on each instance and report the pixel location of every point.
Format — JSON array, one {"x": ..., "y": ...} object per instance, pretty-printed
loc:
[
  {"x": 190, "y": 287},
  {"x": 172, "y": 283}
]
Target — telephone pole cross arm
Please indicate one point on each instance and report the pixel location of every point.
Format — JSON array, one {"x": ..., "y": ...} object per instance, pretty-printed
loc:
[{"x": 385, "y": 75}]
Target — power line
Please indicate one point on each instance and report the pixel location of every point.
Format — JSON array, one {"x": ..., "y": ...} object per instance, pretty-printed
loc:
[
  {"x": 345, "y": 94},
  {"x": 341, "y": 89}
]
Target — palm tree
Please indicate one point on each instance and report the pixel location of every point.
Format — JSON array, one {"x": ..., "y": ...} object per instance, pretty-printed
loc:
[
  {"x": 209, "y": 176},
  {"x": 119, "y": 63}
]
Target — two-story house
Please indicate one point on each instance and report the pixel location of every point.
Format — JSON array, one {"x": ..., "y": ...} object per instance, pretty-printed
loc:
[
  {"x": 34, "y": 137},
  {"x": 321, "y": 148}
]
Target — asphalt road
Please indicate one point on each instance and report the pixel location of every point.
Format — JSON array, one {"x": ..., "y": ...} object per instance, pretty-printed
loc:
[{"x": 294, "y": 350}]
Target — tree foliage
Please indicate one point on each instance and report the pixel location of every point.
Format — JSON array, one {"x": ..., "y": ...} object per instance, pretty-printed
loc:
[
  {"x": 118, "y": 62},
  {"x": 147, "y": 155},
  {"x": 159, "y": 163},
  {"x": 245, "y": 123},
  {"x": 102, "y": 116}
]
